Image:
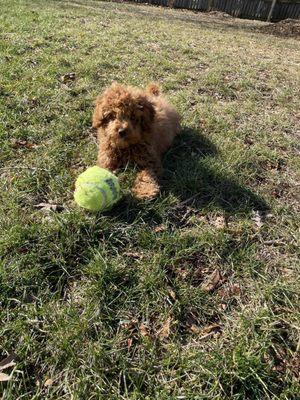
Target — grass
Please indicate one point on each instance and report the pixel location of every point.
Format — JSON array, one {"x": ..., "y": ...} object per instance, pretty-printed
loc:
[{"x": 194, "y": 295}]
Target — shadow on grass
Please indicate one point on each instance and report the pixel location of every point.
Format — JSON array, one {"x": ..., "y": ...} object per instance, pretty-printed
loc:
[{"x": 191, "y": 176}]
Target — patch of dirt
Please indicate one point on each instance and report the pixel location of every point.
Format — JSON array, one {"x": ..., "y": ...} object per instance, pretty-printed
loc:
[
  {"x": 286, "y": 28},
  {"x": 220, "y": 14}
]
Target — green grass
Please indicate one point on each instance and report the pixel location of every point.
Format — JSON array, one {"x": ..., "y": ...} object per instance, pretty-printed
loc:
[{"x": 114, "y": 305}]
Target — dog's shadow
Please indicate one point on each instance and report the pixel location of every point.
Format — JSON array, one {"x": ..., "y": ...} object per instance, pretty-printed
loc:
[{"x": 191, "y": 175}]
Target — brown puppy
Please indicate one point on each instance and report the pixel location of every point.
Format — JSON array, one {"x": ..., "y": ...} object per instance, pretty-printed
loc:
[{"x": 135, "y": 126}]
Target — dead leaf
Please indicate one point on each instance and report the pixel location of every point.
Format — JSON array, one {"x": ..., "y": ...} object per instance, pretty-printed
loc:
[
  {"x": 133, "y": 254},
  {"x": 4, "y": 377},
  {"x": 129, "y": 343},
  {"x": 211, "y": 328},
  {"x": 206, "y": 332},
  {"x": 231, "y": 290},
  {"x": 164, "y": 332},
  {"x": 287, "y": 271},
  {"x": 235, "y": 290},
  {"x": 202, "y": 123},
  {"x": 128, "y": 323},
  {"x": 194, "y": 328},
  {"x": 294, "y": 366},
  {"x": 49, "y": 207},
  {"x": 202, "y": 66},
  {"x": 219, "y": 222},
  {"x": 8, "y": 362},
  {"x": 257, "y": 219},
  {"x": 144, "y": 330},
  {"x": 48, "y": 382},
  {"x": 18, "y": 143},
  {"x": 154, "y": 46},
  {"x": 68, "y": 77},
  {"x": 206, "y": 336},
  {"x": 172, "y": 293},
  {"x": 11, "y": 364},
  {"x": 222, "y": 292},
  {"x": 197, "y": 276},
  {"x": 202, "y": 218},
  {"x": 183, "y": 273},
  {"x": 212, "y": 281},
  {"x": 160, "y": 228}
]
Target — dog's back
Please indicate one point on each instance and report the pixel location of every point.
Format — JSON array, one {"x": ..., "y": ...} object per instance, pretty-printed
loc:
[{"x": 167, "y": 120}]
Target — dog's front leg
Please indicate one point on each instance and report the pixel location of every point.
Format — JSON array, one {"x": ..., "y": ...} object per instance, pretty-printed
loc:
[
  {"x": 147, "y": 181},
  {"x": 146, "y": 184},
  {"x": 108, "y": 158}
]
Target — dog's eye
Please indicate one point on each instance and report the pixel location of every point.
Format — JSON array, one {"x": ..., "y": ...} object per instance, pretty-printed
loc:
[
  {"x": 107, "y": 118},
  {"x": 135, "y": 118}
]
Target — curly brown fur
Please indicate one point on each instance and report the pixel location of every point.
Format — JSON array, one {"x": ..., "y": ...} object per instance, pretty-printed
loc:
[{"x": 135, "y": 126}]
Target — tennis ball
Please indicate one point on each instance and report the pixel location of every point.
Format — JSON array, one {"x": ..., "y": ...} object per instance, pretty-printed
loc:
[{"x": 96, "y": 189}]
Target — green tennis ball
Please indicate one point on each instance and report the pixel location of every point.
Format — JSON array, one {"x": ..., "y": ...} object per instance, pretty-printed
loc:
[{"x": 97, "y": 189}]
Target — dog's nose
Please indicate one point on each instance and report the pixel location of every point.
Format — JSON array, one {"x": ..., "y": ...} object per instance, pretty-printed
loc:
[{"x": 122, "y": 132}]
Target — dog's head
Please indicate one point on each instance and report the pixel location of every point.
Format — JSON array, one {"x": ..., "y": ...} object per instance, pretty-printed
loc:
[{"x": 124, "y": 115}]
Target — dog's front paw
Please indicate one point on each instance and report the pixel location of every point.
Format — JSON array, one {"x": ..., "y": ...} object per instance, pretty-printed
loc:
[
  {"x": 145, "y": 192},
  {"x": 146, "y": 185}
]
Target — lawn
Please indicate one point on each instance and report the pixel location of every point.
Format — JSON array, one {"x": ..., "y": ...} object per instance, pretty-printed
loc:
[{"x": 193, "y": 295}]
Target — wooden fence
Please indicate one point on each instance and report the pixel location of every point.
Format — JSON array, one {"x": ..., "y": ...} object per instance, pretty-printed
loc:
[{"x": 252, "y": 9}]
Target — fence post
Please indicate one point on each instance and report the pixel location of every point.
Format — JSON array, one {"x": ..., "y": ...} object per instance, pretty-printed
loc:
[
  {"x": 209, "y": 5},
  {"x": 271, "y": 10}
]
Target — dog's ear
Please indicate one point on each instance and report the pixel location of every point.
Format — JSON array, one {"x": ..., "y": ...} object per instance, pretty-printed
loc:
[
  {"x": 97, "y": 115},
  {"x": 148, "y": 112}
]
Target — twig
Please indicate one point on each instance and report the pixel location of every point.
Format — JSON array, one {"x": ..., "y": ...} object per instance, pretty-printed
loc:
[
  {"x": 187, "y": 200},
  {"x": 274, "y": 242},
  {"x": 206, "y": 336}
]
